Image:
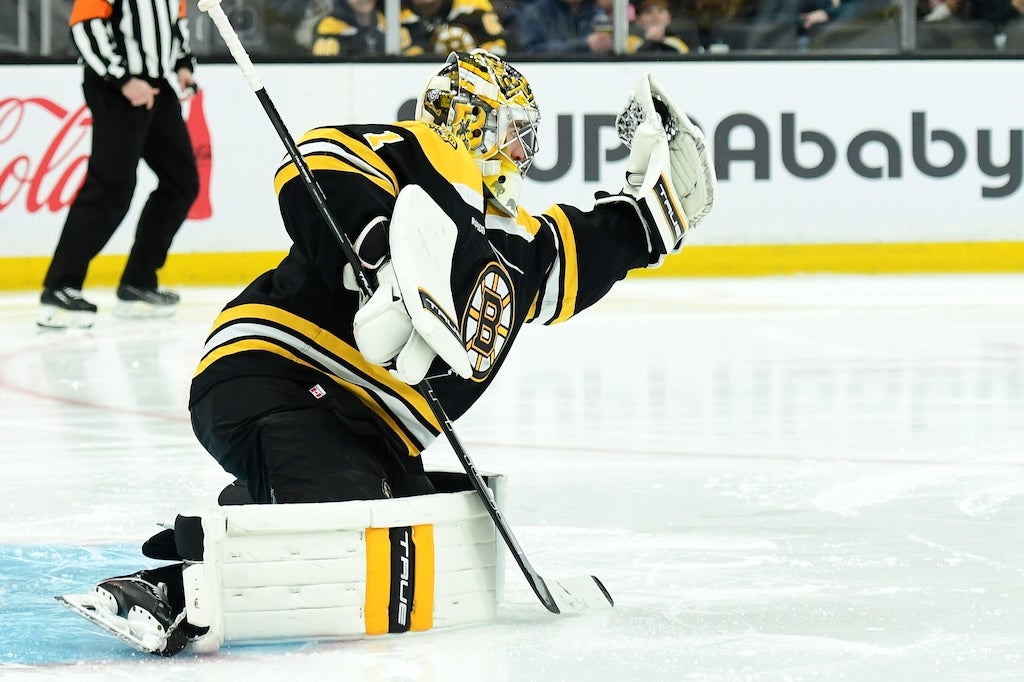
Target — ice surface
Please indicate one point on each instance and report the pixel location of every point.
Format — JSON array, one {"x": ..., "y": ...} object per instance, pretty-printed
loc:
[{"x": 803, "y": 478}]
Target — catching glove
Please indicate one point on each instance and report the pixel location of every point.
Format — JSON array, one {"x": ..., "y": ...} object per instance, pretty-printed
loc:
[{"x": 669, "y": 172}]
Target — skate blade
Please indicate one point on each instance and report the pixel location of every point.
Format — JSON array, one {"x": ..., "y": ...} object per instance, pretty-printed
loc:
[
  {"x": 140, "y": 310},
  {"x": 52, "y": 317},
  {"x": 88, "y": 607}
]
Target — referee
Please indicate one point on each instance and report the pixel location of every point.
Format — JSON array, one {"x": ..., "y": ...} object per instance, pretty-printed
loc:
[{"x": 137, "y": 71}]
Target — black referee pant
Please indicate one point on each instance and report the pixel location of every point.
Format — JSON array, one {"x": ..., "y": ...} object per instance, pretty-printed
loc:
[{"x": 121, "y": 136}]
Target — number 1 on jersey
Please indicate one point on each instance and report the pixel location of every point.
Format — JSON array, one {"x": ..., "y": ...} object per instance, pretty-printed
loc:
[{"x": 378, "y": 140}]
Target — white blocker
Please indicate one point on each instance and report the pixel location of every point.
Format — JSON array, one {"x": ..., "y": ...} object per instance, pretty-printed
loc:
[{"x": 345, "y": 570}]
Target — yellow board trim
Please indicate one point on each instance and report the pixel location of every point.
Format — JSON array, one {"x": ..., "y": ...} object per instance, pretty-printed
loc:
[
  {"x": 860, "y": 259},
  {"x": 25, "y": 273},
  {"x": 378, "y": 581},
  {"x": 423, "y": 586}
]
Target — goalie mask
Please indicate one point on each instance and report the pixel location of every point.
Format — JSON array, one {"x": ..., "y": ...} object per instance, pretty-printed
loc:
[{"x": 489, "y": 105}]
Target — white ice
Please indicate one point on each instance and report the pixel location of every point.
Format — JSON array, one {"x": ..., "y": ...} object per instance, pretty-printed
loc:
[{"x": 800, "y": 478}]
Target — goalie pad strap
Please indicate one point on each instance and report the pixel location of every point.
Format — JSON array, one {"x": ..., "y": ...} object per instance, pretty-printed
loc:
[{"x": 188, "y": 537}]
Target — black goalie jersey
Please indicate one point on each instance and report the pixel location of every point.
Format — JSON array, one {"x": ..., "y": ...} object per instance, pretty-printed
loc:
[{"x": 296, "y": 320}]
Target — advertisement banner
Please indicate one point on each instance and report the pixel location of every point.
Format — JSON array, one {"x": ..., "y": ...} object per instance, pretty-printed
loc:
[{"x": 806, "y": 152}]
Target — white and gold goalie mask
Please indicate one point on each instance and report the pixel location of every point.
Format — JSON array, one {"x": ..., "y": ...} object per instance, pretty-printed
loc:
[{"x": 485, "y": 102}]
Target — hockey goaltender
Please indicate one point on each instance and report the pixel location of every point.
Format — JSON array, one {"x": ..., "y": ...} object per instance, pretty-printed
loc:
[{"x": 306, "y": 391}]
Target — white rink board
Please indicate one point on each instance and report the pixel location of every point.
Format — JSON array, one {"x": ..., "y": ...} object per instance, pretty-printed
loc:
[{"x": 861, "y": 107}]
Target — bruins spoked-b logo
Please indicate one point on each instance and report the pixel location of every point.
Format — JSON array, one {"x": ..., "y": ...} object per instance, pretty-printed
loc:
[{"x": 488, "y": 320}]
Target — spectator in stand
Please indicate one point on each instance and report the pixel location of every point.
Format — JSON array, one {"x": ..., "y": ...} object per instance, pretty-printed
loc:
[
  {"x": 651, "y": 30},
  {"x": 817, "y": 13},
  {"x": 939, "y": 10},
  {"x": 279, "y": 22},
  {"x": 708, "y": 15},
  {"x": 821, "y": 12},
  {"x": 609, "y": 8},
  {"x": 565, "y": 26},
  {"x": 999, "y": 13},
  {"x": 508, "y": 14},
  {"x": 445, "y": 26},
  {"x": 356, "y": 27}
]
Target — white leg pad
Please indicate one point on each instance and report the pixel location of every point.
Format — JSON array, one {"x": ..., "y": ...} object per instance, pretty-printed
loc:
[{"x": 345, "y": 570}]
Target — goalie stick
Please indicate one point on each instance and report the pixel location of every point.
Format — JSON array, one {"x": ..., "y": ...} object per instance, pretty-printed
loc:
[{"x": 571, "y": 595}]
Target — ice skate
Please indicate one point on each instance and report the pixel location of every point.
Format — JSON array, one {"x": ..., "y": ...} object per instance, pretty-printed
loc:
[
  {"x": 65, "y": 308},
  {"x": 135, "y": 611},
  {"x": 137, "y": 303}
]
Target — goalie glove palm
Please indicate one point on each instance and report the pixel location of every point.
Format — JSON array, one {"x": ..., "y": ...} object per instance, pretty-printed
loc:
[
  {"x": 669, "y": 172},
  {"x": 384, "y": 333}
]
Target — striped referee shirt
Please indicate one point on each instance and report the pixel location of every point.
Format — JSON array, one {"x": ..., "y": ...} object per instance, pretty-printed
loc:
[{"x": 119, "y": 39}]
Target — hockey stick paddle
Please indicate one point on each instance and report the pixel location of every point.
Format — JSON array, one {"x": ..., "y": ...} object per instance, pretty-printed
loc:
[{"x": 565, "y": 596}]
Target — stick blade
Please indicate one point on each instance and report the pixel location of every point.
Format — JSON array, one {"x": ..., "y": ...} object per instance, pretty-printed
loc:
[{"x": 580, "y": 595}]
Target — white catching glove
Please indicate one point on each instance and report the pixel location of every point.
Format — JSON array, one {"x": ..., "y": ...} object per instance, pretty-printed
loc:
[
  {"x": 384, "y": 331},
  {"x": 669, "y": 171},
  {"x": 409, "y": 320}
]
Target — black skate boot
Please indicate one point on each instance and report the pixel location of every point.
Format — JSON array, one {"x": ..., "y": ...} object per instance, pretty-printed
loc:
[
  {"x": 141, "y": 303},
  {"x": 137, "y": 609},
  {"x": 65, "y": 308}
]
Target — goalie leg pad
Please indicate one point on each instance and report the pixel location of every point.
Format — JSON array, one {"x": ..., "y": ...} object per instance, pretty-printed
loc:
[{"x": 344, "y": 570}]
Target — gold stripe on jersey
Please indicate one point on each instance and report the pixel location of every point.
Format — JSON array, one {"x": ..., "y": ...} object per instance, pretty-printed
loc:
[
  {"x": 336, "y": 142},
  {"x": 528, "y": 222},
  {"x": 319, "y": 146},
  {"x": 384, "y": 387},
  {"x": 317, "y": 162},
  {"x": 570, "y": 265},
  {"x": 453, "y": 163},
  {"x": 364, "y": 396},
  {"x": 356, "y": 146},
  {"x": 334, "y": 345},
  {"x": 522, "y": 225}
]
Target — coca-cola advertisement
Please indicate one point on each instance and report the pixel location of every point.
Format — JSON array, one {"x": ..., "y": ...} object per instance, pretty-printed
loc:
[
  {"x": 49, "y": 181},
  {"x": 202, "y": 146},
  {"x": 45, "y": 138},
  {"x": 46, "y": 181}
]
